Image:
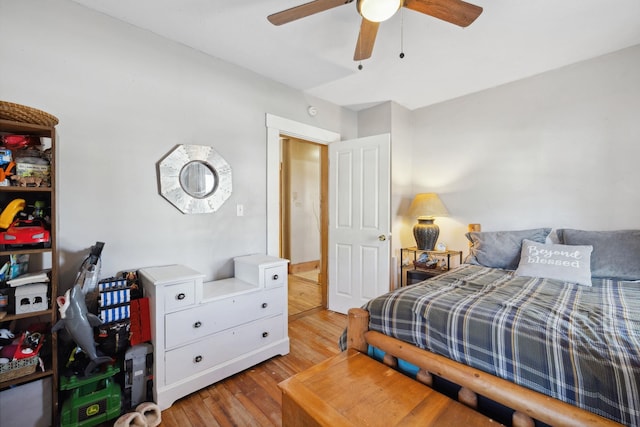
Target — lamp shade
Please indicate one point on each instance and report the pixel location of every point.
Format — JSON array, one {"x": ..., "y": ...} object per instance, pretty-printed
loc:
[
  {"x": 378, "y": 10},
  {"x": 426, "y": 206}
]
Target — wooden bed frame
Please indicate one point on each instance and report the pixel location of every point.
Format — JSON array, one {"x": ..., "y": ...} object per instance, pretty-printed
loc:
[{"x": 528, "y": 404}]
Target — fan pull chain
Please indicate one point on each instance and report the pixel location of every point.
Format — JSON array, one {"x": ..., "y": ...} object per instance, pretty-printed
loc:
[
  {"x": 401, "y": 32},
  {"x": 359, "y": 52}
]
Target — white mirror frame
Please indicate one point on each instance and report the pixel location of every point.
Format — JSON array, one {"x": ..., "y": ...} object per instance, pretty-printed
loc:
[{"x": 173, "y": 169}]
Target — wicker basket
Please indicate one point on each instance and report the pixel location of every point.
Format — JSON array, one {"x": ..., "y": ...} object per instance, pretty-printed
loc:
[
  {"x": 24, "y": 114},
  {"x": 18, "y": 368},
  {"x": 424, "y": 265}
]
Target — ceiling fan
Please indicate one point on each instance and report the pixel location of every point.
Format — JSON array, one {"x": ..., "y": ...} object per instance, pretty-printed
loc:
[{"x": 373, "y": 12}]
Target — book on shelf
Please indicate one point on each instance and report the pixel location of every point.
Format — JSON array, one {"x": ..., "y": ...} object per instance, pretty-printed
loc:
[
  {"x": 34, "y": 277},
  {"x": 16, "y": 265}
]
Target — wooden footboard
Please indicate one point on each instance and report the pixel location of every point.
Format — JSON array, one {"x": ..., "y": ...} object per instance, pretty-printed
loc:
[{"x": 528, "y": 404}]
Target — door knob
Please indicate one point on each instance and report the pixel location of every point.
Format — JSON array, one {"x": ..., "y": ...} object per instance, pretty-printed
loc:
[{"x": 382, "y": 237}]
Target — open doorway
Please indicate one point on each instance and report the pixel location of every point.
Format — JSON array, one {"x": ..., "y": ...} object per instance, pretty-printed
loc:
[
  {"x": 303, "y": 222},
  {"x": 278, "y": 128}
]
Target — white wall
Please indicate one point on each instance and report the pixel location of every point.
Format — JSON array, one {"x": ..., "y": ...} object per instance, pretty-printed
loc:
[
  {"x": 402, "y": 175},
  {"x": 125, "y": 98},
  {"x": 559, "y": 149},
  {"x": 304, "y": 202}
]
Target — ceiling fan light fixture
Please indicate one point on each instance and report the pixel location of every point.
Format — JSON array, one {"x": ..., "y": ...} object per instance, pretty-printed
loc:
[{"x": 378, "y": 10}]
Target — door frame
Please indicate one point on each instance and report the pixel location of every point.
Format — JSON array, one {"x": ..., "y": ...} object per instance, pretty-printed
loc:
[
  {"x": 288, "y": 145},
  {"x": 277, "y": 127}
]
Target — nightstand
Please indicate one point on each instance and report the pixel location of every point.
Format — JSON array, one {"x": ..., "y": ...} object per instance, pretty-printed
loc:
[{"x": 410, "y": 274}]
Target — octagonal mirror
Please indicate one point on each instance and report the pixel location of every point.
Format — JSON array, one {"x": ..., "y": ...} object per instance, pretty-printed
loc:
[{"x": 195, "y": 179}]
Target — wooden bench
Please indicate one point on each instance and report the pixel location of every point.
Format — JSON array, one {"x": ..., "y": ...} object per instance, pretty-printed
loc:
[{"x": 352, "y": 389}]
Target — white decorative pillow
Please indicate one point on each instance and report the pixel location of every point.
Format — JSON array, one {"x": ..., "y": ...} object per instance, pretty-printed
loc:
[{"x": 569, "y": 263}]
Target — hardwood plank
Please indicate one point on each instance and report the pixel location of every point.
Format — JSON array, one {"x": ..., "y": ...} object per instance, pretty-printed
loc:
[
  {"x": 176, "y": 417},
  {"x": 197, "y": 413},
  {"x": 277, "y": 370},
  {"x": 256, "y": 399},
  {"x": 303, "y": 295},
  {"x": 227, "y": 408}
]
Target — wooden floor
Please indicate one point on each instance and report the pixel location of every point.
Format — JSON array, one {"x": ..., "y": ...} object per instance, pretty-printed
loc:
[
  {"x": 252, "y": 397},
  {"x": 304, "y": 294}
]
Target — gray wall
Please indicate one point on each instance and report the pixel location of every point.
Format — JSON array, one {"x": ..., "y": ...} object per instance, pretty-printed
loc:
[
  {"x": 559, "y": 149},
  {"x": 125, "y": 98}
]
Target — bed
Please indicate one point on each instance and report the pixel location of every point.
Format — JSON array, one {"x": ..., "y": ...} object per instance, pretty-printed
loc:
[{"x": 549, "y": 327}]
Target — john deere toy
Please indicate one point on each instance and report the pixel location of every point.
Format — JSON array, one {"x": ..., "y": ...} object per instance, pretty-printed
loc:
[{"x": 93, "y": 399}]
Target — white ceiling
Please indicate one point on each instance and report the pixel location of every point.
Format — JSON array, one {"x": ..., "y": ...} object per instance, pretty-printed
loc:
[{"x": 511, "y": 39}]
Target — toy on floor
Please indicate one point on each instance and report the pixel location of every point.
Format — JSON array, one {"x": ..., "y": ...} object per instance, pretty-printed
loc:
[
  {"x": 138, "y": 375},
  {"x": 75, "y": 317},
  {"x": 79, "y": 323},
  {"x": 92, "y": 400}
]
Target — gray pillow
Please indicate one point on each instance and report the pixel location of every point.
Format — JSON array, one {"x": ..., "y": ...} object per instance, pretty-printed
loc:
[
  {"x": 616, "y": 254},
  {"x": 568, "y": 263},
  {"x": 501, "y": 249}
]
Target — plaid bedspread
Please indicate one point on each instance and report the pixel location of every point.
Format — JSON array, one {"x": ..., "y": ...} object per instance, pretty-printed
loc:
[{"x": 578, "y": 344}]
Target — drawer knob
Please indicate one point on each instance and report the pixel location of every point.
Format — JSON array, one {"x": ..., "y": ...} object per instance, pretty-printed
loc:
[
  {"x": 197, "y": 324},
  {"x": 265, "y": 334},
  {"x": 198, "y": 359},
  {"x": 181, "y": 296},
  {"x": 275, "y": 277},
  {"x": 264, "y": 305}
]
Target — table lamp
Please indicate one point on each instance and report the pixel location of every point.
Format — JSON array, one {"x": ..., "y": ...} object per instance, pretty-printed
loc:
[{"x": 426, "y": 206}]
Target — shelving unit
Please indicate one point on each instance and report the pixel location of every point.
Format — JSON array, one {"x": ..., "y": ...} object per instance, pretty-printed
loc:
[
  {"x": 39, "y": 259},
  {"x": 410, "y": 274}
]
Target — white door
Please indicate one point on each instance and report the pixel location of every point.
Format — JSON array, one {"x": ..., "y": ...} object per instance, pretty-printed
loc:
[{"x": 359, "y": 221}]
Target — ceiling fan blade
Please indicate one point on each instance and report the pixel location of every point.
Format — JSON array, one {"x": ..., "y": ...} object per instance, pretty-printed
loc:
[
  {"x": 366, "y": 39},
  {"x": 303, "y": 10},
  {"x": 456, "y": 12}
]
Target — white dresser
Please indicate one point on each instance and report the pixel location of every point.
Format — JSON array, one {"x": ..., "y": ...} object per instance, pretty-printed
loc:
[{"x": 203, "y": 332}]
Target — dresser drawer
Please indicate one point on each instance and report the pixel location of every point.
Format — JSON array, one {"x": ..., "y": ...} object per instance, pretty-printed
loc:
[
  {"x": 275, "y": 276},
  {"x": 261, "y": 270},
  {"x": 194, "y": 358},
  {"x": 188, "y": 325},
  {"x": 180, "y": 295}
]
